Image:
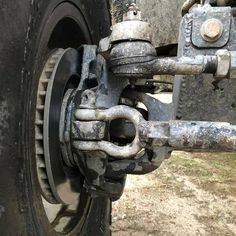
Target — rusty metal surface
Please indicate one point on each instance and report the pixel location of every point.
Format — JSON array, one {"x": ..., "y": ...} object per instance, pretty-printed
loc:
[{"x": 164, "y": 17}]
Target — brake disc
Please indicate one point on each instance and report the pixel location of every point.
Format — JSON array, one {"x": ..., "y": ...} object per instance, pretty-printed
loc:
[{"x": 59, "y": 183}]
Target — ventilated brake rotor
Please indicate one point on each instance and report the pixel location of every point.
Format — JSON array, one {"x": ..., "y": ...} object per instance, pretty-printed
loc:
[{"x": 59, "y": 183}]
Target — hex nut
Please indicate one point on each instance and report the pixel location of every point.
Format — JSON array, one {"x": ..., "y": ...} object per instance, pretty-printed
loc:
[
  {"x": 211, "y": 30},
  {"x": 223, "y": 63}
]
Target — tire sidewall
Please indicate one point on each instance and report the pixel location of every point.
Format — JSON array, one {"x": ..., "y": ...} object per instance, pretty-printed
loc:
[{"x": 36, "y": 54}]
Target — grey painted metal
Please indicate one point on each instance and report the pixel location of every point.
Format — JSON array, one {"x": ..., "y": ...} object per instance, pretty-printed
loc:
[
  {"x": 195, "y": 96},
  {"x": 205, "y": 13}
]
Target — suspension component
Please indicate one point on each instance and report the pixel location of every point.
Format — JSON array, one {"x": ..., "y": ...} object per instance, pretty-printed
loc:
[
  {"x": 130, "y": 41},
  {"x": 112, "y": 92},
  {"x": 131, "y": 54},
  {"x": 179, "y": 135}
]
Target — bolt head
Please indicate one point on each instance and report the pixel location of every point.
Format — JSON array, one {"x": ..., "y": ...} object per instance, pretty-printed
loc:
[{"x": 211, "y": 30}]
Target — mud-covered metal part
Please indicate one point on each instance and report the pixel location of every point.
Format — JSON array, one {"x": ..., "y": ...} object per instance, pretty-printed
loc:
[
  {"x": 89, "y": 130},
  {"x": 169, "y": 66},
  {"x": 164, "y": 17},
  {"x": 113, "y": 113},
  {"x": 133, "y": 13},
  {"x": 94, "y": 91},
  {"x": 179, "y": 135},
  {"x": 131, "y": 30},
  {"x": 88, "y": 64},
  {"x": 145, "y": 65},
  {"x": 132, "y": 52},
  {"x": 65, "y": 128},
  {"x": 146, "y": 163},
  {"x": 233, "y": 65},
  {"x": 130, "y": 40},
  {"x": 132, "y": 27},
  {"x": 109, "y": 88},
  {"x": 105, "y": 156},
  {"x": 184, "y": 135}
]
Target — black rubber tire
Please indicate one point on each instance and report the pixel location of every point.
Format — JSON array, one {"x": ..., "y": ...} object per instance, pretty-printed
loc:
[{"x": 22, "y": 55}]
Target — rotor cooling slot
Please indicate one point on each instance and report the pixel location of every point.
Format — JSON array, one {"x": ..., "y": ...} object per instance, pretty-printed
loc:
[
  {"x": 59, "y": 182},
  {"x": 39, "y": 126}
]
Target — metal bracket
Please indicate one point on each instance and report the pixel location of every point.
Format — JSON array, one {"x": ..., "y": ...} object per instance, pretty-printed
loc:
[{"x": 222, "y": 18}]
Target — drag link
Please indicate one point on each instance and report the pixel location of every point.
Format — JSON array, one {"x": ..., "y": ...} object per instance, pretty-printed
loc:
[
  {"x": 179, "y": 135},
  {"x": 189, "y": 135}
]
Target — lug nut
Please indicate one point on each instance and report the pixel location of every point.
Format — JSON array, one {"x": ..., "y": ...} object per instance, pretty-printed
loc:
[{"x": 211, "y": 30}]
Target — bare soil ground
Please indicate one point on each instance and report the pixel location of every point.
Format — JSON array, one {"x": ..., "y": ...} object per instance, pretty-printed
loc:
[{"x": 191, "y": 194}]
